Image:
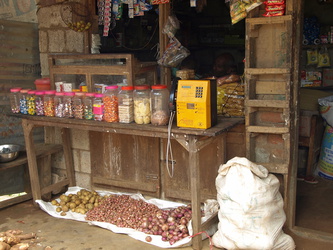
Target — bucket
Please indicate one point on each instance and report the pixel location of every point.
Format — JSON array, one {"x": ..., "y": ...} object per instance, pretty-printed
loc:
[
  {"x": 43, "y": 84},
  {"x": 325, "y": 166}
]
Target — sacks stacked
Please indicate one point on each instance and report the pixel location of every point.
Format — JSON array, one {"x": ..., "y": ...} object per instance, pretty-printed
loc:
[{"x": 230, "y": 96}]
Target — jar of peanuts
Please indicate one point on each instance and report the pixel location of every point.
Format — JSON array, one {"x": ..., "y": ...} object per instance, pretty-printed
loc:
[
  {"x": 110, "y": 101},
  {"x": 141, "y": 96}
]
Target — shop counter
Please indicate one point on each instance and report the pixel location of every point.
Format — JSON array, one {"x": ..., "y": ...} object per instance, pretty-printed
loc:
[{"x": 193, "y": 140}]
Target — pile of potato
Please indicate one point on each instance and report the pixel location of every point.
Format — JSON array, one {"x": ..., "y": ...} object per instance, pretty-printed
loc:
[{"x": 81, "y": 202}]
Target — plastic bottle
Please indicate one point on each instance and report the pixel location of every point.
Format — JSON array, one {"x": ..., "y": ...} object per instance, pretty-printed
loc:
[
  {"x": 68, "y": 104},
  {"x": 59, "y": 104},
  {"x": 141, "y": 96},
  {"x": 49, "y": 103},
  {"x": 78, "y": 105},
  {"x": 31, "y": 102},
  {"x": 88, "y": 106},
  {"x": 83, "y": 87},
  {"x": 39, "y": 102},
  {"x": 23, "y": 101},
  {"x": 110, "y": 101},
  {"x": 160, "y": 113},
  {"x": 126, "y": 104},
  {"x": 98, "y": 107},
  {"x": 15, "y": 100}
]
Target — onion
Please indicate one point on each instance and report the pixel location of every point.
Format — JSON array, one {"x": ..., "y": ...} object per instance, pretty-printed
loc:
[
  {"x": 165, "y": 227},
  {"x": 148, "y": 239},
  {"x": 164, "y": 239},
  {"x": 183, "y": 221},
  {"x": 164, "y": 234},
  {"x": 172, "y": 241},
  {"x": 171, "y": 219}
]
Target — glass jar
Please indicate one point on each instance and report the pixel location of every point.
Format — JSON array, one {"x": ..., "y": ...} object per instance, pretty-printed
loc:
[
  {"x": 110, "y": 101},
  {"x": 59, "y": 104},
  {"x": 39, "y": 102},
  {"x": 31, "y": 97},
  {"x": 98, "y": 107},
  {"x": 78, "y": 105},
  {"x": 88, "y": 106},
  {"x": 23, "y": 101},
  {"x": 15, "y": 100},
  {"x": 141, "y": 97},
  {"x": 159, "y": 105},
  {"x": 49, "y": 103},
  {"x": 126, "y": 104},
  {"x": 68, "y": 104}
]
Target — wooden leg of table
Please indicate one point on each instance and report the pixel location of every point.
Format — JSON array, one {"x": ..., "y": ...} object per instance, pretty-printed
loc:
[
  {"x": 32, "y": 161},
  {"x": 65, "y": 132},
  {"x": 195, "y": 191}
]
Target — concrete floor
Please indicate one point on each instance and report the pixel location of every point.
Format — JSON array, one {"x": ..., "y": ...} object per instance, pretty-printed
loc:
[{"x": 314, "y": 211}]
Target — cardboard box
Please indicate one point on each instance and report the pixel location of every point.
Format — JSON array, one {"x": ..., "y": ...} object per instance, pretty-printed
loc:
[{"x": 327, "y": 77}]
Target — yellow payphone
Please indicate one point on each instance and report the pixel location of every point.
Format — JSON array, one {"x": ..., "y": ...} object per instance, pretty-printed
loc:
[{"x": 196, "y": 103}]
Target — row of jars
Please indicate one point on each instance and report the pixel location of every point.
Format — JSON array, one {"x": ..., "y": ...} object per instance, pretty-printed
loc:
[{"x": 139, "y": 104}]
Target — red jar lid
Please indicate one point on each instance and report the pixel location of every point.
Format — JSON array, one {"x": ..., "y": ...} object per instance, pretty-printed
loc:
[
  {"x": 111, "y": 87},
  {"x": 59, "y": 93},
  {"x": 24, "y": 90},
  {"x": 15, "y": 90},
  {"x": 90, "y": 94},
  {"x": 50, "y": 92},
  {"x": 159, "y": 87},
  {"x": 40, "y": 92},
  {"x": 141, "y": 87},
  {"x": 69, "y": 93},
  {"x": 31, "y": 92},
  {"x": 127, "y": 88}
]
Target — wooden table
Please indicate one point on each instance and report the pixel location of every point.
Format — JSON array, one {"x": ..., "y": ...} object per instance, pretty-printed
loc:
[{"x": 192, "y": 139}]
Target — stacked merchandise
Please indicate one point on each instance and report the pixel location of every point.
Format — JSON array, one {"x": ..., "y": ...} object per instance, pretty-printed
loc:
[
  {"x": 274, "y": 8},
  {"x": 230, "y": 96}
]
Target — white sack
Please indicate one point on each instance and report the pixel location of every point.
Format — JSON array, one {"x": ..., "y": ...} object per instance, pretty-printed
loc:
[{"x": 251, "y": 212}]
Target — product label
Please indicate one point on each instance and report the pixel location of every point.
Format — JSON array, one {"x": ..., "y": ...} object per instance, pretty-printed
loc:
[{"x": 98, "y": 109}]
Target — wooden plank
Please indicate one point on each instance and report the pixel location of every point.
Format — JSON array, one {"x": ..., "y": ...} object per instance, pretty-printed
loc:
[
  {"x": 270, "y": 87},
  {"x": 269, "y": 20},
  {"x": 267, "y": 103},
  {"x": 267, "y": 130},
  {"x": 272, "y": 71},
  {"x": 276, "y": 168},
  {"x": 15, "y": 200},
  {"x": 66, "y": 140}
]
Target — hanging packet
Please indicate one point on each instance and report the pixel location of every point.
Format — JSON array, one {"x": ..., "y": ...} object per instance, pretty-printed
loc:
[
  {"x": 323, "y": 58},
  {"x": 312, "y": 56}
]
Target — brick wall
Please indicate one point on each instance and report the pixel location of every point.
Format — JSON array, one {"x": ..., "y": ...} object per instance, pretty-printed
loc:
[{"x": 56, "y": 37}]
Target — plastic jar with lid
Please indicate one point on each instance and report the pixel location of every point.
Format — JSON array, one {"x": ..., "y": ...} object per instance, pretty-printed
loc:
[
  {"x": 59, "y": 104},
  {"x": 110, "y": 101},
  {"x": 126, "y": 104},
  {"x": 98, "y": 107},
  {"x": 160, "y": 113},
  {"x": 68, "y": 104},
  {"x": 88, "y": 106},
  {"x": 39, "y": 102},
  {"x": 23, "y": 101},
  {"x": 141, "y": 97},
  {"x": 15, "y": 100},
  {"x": 31, "y": 97},
  {"x": 78, "y": 105},
  {"x": 49, "y": 103}
]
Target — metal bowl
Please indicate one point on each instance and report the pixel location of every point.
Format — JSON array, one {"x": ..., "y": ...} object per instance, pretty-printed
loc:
[{"x": 9, "y": 152}]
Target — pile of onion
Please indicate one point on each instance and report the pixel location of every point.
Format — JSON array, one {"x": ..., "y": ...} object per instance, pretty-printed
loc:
[{"x": 124, "y": 211}]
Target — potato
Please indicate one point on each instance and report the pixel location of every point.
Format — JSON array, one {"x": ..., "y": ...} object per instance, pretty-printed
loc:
[{"x": 58, "y": 209}]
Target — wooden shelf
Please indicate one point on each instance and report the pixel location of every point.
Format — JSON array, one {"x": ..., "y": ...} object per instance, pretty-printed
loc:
[{"x": 268, "y": 20}]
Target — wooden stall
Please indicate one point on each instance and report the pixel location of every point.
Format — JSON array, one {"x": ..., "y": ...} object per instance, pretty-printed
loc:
[{"x": 136, "y": 168}]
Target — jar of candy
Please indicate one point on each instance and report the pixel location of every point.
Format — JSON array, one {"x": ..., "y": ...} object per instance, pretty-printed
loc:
[
  {"x": 98, "y": 107},
  {"x": 15, "y": 100},
  {"x": 39, "y": 102},
  {"x": 110, "y": 101},
  {"x": 23, "y": 101},
  {"x": 31, "y": 97},
  {"x": 126, "y": 104},
  {"x": 49, "y": 103},
  {"x": 141, "y": 97},
  {"x": 78, "y": 105},
  {"x": 159, "y": 105},
  {"x": 59, "y": 104},
  {"x": 68, "y": 104},
  {"x": 88, "y": 106}
]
